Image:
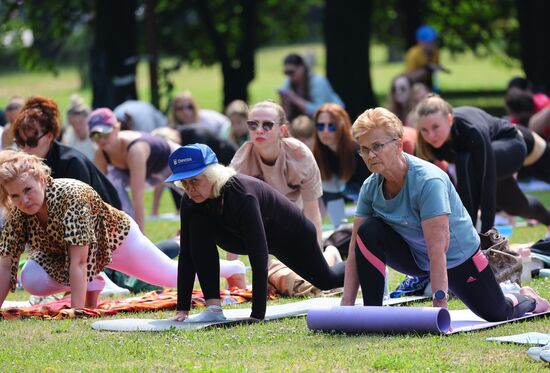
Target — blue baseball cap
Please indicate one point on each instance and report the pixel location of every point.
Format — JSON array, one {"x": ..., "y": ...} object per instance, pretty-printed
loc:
[
  {"x": 426, "y": 34},
  {"x": 190, "y": 160}
]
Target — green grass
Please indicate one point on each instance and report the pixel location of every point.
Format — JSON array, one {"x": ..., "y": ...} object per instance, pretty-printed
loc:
[
  {"x": 286, "y": 345},
  {"x": 468, "y": 73}
]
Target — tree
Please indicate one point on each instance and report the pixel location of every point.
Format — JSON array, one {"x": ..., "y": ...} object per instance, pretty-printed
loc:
[
  {"x": 347, "y": 32},
  {"x": 534, "y": 34}
]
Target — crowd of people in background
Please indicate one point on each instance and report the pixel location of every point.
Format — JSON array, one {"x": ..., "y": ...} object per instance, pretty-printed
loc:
[{"x": 313, "y": 162}]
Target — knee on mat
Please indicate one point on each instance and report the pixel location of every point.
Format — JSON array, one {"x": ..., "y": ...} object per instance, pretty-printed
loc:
[
  {"x": 33, "y": 283},
  {"x": 234, "y": 267}
]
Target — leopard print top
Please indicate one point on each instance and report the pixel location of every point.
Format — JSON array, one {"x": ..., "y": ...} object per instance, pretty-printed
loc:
[{"x": 76, "y": 216}]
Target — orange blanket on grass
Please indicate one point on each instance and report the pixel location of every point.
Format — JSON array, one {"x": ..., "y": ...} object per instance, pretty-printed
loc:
[{"x": 152, "y": 301}]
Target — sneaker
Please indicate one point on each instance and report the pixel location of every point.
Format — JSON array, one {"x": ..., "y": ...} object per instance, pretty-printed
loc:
[
  {"x": 541, "y": 303},
  {"x": 545, "y": 355},
  {"x": 535, "y": 352},
  {"x": 411, "y": 285},
  {"x": 212, "y": 314}
]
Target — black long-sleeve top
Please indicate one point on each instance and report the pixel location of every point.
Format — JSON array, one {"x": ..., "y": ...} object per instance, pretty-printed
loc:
[
  {"x": 257, "y": 215},
  {"x": 472, "y": 132}
]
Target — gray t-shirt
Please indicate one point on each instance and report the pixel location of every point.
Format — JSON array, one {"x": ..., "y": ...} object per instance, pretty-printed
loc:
[{"x": 427, "y": 193}]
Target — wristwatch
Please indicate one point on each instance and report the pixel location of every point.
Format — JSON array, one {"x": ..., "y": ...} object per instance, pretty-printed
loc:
[{"x": 440, "y": 295}]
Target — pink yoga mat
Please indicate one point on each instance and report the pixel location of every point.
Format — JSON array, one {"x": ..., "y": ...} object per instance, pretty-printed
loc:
[{"x": 352, "y": 319}]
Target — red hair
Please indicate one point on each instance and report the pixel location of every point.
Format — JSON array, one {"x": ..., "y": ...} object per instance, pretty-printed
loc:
[{"x": 38, "y": 113}]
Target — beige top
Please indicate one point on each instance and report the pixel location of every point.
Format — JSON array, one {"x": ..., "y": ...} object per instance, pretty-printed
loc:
[
  {"x": 76, "y": 216},
  {"x": 295, "y": 172}
]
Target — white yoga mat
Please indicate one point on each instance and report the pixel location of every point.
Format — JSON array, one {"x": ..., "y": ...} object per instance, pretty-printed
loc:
[
  {"x": 234, "y": 316},
  {"x": 532, "y": 338}
]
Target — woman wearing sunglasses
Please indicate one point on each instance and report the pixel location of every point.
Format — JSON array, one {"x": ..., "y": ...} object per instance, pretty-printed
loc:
[
  {"x": 36, "y": 130},
  {"x": 243, "y": 215},
  {"x": 284, "y": 163},
  {"x": 400, "y": 99},
  {"x": 304, "y": 91},
  {"x": 410, "y": 217},
  {"x": 137, "y": 158},
  {"x": 342, "y": 170},
  {"x": 70, "y": 234}
]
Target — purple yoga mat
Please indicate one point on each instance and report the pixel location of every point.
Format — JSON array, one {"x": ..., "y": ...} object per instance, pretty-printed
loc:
[{"x": 354, "y": 319}]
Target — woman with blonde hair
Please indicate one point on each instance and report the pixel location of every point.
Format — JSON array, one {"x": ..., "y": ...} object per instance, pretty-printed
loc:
[
  {"x": 410, "y": 217},
  {"x": 488, "y": 152},
  {"x": 71, "y": 235}
]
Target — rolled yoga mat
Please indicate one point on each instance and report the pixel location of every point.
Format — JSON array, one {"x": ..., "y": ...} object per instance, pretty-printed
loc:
[{"x": 352, "y": 319}]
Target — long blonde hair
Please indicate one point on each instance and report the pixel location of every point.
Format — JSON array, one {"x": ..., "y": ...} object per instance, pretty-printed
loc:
[
  {"x": 15, "y": 164},
  {"x": 431, "y": 104}
]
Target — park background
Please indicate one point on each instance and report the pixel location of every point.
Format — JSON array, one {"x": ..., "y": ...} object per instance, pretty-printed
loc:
[{"x": 221, "y": 50}]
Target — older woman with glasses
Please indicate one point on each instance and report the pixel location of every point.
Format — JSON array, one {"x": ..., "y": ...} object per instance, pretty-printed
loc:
[
  {"x": 35, "y": 132},
  {"x": 284, "y": 163},
  {"x": 304, "y": 91},
  {"x": 243, "y": 215},
  {"x": 137, "y": 158},
  {"x": 410, "y": 217},
  {"x": 335, "y": 151}
]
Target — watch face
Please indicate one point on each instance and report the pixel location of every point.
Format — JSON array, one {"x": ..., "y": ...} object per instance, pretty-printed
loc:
[{"x": 440, "y": 295}]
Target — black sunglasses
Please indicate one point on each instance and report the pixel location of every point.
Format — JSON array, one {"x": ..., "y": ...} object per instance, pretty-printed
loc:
[
  {"x": 266, "y": 125},
  {"x": 31, "y": 142},
  {"x": 321, "y": 127},
  {"x": 290, "y": 72}
]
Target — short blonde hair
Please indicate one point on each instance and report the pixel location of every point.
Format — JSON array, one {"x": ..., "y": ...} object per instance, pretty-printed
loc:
[
  {"x": 15, "y": 164},
  {"x": 431, "y": 104},
  {"x": 237, "y": 107},
  {"x": 377, "y": 118},
  {"x": 302, "y": 127}
]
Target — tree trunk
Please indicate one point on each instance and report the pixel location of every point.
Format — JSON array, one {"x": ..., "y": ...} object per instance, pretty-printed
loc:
[
  {"x": 238, "y": 70},
  {"x": 534, "y": 34},
  {"x": 411, "y": 15},
  {"x": 152, "y": 52},
  {"x": 347, "y": 30},
  {"x": 113, "y": 55}
]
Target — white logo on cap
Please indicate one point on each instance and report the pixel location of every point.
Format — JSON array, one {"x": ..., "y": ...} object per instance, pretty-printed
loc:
[{"x": 183, "y": 160}]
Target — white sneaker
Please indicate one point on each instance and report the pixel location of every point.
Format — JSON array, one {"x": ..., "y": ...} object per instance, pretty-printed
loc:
[
  {"x": 536, "y": 352},
  {"x": 545, "y": 355},
  {"x": 212, "y": 314},
  {"x": 111, "y": 288}
]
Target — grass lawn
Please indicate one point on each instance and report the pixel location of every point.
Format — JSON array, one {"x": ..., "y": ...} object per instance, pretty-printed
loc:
[
  {"x": 468, "y": 73},
  {"x": 286, "y": 345},
  {"x": 71, "y": 345}
]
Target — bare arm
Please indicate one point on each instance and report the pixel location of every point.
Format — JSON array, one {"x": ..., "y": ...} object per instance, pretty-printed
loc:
[
  {"x": 540, "y": 121},
  {"x": 77, "y": 275},
  {"x": 351, "y": 281},
  {"x": 5, "y": 277},
  {"x": 312, "y": 212},
  {"x": 436, "y": 235},
  {"x": 137, "y": 160}
]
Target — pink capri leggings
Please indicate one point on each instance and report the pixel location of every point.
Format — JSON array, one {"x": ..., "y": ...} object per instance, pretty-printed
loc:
[{"x": 136, "y": 256}]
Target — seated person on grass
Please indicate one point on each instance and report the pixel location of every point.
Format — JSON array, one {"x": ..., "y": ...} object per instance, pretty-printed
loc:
[{"x": 410, "y": 217}]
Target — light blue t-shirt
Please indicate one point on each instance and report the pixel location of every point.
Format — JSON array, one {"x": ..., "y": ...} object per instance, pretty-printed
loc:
[
  {"x": 320, "y": 92},
  {"x": 427, "y": 192}
]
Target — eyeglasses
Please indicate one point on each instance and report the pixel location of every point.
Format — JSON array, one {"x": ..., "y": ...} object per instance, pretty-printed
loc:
[
  {"x": 96, "y": 136},
  {"x": 375, "y": 149},
  {"x": 31, "y": 142},
  {"x": 182, "y": 107},
  {"x": 188, "y": 184},
  {"x": 290, "y": 72},
  {"x": 266, "y": 125},
  {"x": 322, "y": 126}
]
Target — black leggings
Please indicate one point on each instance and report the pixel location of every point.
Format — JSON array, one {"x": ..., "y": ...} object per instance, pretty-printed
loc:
[
  {"x": 473, "y": 281},
  {"x": 300, "y": 252},
  {"x": 509, "y": 196}
]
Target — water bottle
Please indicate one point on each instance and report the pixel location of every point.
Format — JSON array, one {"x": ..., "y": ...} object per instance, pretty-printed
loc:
[{"x": 525, "y": 254}]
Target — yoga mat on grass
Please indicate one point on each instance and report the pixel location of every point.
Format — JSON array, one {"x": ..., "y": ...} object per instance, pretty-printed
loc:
[
  {"x": 399, "y": 320},
  {"x": 532, "y": 338},
  {"x": 234, "y": 316}
]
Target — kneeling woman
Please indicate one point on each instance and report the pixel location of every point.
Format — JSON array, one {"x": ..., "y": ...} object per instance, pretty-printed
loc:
[
  {"x": 410, "y": 217},
  {"x": 72, "y": 234},
  {"x": 243, "y": 215}
]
